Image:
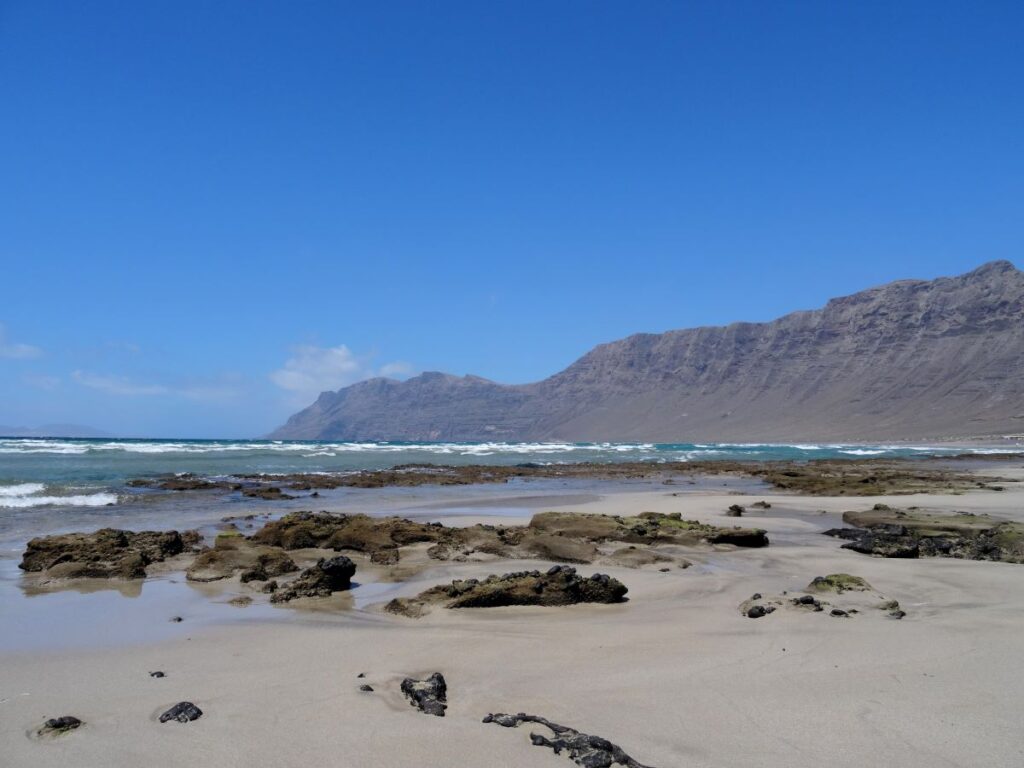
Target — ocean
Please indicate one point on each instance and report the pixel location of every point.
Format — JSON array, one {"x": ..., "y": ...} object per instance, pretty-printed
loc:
[{"x": 93, "y": 472}]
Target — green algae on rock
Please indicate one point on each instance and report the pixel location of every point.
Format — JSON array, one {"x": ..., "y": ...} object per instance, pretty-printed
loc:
[{"x": 839, "y": 583}]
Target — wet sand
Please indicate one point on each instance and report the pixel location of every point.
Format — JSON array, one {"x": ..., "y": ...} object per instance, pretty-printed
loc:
[{"x": 677, "y": 676}]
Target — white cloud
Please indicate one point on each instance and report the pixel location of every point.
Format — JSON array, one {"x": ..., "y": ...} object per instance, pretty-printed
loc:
[
  {"x": 124, "y": 386},
  {"x": 312, "y": 370},
  {"x": 15, "y": 351}
]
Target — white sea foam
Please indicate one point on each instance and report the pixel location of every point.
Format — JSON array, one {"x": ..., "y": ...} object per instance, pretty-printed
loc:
[
  {"x": 24, "y": 495},
  {"x": 17, "y": 446},
  {"x": 864, "y": 451},
  {"x": 22, "y": 489}
]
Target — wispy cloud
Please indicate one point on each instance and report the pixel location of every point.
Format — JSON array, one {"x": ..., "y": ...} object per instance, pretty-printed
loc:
[
  {"x": 312, "y": 370},
  {"x": 16, "y": 351},
  {"x": 127, "y": 387}
]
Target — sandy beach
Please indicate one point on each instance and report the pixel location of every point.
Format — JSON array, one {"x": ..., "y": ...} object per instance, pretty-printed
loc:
[{"x": 677, "y": 676}]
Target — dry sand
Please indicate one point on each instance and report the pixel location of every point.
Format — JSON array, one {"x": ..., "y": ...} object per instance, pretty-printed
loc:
[{"x": 676, "y": 676}]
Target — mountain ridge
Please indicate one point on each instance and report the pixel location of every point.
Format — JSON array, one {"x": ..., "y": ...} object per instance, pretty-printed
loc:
[{"x": 910, "y": 359}]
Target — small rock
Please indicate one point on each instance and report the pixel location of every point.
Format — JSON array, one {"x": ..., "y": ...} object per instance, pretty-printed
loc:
[
  {"x": 735, "y": 510},
  {"x": 430, "y": 696},
  {"x": 839, "y": 612},
  {"x": 366, "y": 688},
  {"x": 182, "y": 712},
  {"x": 158, "y": 673},
  {"x": 756, "y": 596},
  {"x": 583, "y": 749},
  {"x": 897, "y": 614},
  {"x": 757, "y": 611},
  {"x": 59, "y": 725},
  {"x": 176, "y": 619}
]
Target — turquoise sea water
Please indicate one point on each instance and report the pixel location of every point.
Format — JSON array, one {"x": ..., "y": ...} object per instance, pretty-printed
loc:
[{"x": 93, "y": 472}]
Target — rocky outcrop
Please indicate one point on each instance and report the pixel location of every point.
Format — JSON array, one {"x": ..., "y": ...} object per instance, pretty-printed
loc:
[
  {"x": 322, "y": 580},
  {"x": 886, "y": 532},
  {"x": 848, "y": 596},
  {"x": 107, "y": 553},
  {"x": 231, "y": 553},
  {"x": 560, "y": 585},
  {"x": 361, "y": 533},
  {"x": 183, "y": 482},
  {"x": 581, "y": 748},
  {"x": 429, "y": 696},
  {"x": 909, "y": 360},
  {"x": 645, "y": 528}
]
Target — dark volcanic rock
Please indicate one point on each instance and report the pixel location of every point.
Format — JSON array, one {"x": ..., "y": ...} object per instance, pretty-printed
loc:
[
  {"x": 886, "y": 532},
  {"x": 759, "y": 611},
  {"x": 270, "y": 493},
  {"x": 430, "y": 696},
  {"x": 325, "y": 578},
  {"x": 183, "y": 712},
  {"x": 366, "y": 688},
  {"x": 560, "y": 585},
  {"x": 735, "y": 510},
  {"x": 59, "y": 725},
  {"x": 107, "y": 553},
  {"x": 583, "y": 749},
  {"x": 158, "y": 673}
]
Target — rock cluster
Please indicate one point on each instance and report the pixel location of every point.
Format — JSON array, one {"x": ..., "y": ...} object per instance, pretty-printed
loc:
[
  {"x": 430, "y": 696},
  {"x": 886, "y": 532},
  {"x": 328, "y": 576},
  {"x": 361, "y": 533},
  {"x": 565, "y": 537},
  {"x": 583, "y": 749},
  {"x": 645, "y": 528},
  {"x": 106, "y": 553}
]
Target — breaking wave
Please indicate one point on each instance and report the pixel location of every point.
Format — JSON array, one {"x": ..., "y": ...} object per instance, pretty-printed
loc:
[{"x": 23, "y": 495}]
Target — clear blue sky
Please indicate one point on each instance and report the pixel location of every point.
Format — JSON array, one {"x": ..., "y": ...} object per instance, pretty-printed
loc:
[{"x": 202, "y": 203}]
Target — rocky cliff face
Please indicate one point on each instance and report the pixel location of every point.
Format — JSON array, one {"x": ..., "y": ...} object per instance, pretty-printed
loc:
[{"x": 909, "y": 360}]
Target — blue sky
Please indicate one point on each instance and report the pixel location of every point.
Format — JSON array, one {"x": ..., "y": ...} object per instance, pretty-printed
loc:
[{"x": 209, "y": 211}]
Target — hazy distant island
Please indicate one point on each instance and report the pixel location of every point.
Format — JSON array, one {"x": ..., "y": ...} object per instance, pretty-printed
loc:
[{"x": 910, "y": 360}]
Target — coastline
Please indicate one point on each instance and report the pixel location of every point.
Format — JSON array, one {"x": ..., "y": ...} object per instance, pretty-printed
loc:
[{"x": 676, "y": 675}]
